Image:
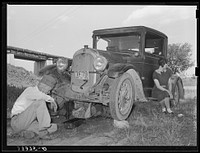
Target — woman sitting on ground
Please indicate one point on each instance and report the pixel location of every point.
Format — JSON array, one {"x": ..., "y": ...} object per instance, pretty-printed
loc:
[{"x": 162, "y": 87}]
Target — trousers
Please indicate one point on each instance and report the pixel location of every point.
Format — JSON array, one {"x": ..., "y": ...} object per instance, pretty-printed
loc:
[{"x": 35, "y": 118}]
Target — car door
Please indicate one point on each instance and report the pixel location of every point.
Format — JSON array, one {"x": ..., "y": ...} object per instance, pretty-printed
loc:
[{"x": 153, "y": 51}]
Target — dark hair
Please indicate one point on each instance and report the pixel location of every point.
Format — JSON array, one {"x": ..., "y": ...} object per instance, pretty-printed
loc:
[{"x": 162, "y": 62}]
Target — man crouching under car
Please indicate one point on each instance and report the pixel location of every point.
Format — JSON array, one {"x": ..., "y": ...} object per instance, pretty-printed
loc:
[
  {"x": 30, "y": 115},
  {"x": 60, "y": 72}
]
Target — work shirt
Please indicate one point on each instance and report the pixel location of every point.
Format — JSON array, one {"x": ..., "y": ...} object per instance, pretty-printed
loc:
[{"x": 28, "y": 96}]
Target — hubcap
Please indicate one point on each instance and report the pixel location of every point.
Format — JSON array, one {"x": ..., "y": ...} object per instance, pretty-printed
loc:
[{"x": 125, "y": 97}]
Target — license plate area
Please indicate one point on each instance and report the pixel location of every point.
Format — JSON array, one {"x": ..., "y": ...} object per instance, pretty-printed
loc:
[{"x": 82, "y": 75}]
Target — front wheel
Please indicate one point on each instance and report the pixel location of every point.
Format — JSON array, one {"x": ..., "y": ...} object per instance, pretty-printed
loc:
[{"x": 122, "y": 97}]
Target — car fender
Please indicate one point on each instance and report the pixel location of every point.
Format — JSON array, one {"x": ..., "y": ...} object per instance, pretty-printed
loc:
[
  {"x": 116, "y": 70},
  {"x": 138, "y": 87},
  {"x": 119, "y": 69}
]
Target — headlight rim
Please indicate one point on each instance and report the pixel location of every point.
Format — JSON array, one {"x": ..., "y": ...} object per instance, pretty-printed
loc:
[{"x": 105, "y": 62}]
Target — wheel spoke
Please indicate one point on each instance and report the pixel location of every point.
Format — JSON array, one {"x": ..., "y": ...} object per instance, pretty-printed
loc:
[
  {"x": 121, "y": 98},
  {"x": 124, "y": 99}
]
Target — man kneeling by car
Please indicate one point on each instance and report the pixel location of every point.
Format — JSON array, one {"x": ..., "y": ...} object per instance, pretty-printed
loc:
[{"x": 30, "y": 115}]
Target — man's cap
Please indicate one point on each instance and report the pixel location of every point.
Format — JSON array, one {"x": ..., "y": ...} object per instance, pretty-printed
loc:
[{"x": 48, "y": 80}]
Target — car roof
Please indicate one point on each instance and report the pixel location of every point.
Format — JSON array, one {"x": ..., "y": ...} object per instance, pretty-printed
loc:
[{"x": 127, "y": 30}]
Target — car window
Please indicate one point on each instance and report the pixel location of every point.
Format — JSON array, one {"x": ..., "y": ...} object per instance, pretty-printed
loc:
[
  {"x": 153, "y": 44},
  {"x": 119, "y": 43},
  {"x": 102, "y": 44}
]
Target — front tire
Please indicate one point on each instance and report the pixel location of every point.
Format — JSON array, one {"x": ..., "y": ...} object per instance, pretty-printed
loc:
[{"x": 122, "y": 97}]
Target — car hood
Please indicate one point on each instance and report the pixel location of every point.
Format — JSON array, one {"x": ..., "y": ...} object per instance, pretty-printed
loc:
[
  {"x": 117, "y": 57},
  {"x": 113, "y": 57}
]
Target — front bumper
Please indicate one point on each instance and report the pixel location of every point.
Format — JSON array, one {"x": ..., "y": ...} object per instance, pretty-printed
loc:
[{"x": 84, "y": 97}]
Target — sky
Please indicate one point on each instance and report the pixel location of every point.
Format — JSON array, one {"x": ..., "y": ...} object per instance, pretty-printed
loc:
[{"x": 64, "y": 29}]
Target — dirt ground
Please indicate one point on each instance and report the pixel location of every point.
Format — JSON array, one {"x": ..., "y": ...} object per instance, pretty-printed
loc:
[
  {"x": 94, "y": 131},
  {"x": 100, "y": 131},
  {"x": 148, "y": 127}
]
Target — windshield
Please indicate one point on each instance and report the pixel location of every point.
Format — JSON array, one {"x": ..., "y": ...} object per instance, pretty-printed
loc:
[{"x": 119, "y": 43}]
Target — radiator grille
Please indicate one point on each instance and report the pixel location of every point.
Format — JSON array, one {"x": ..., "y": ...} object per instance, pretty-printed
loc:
[{"x": 81, "y": 66}]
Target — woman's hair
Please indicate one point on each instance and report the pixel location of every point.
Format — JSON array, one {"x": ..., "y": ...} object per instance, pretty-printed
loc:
[{"x": 162, "y": 62}]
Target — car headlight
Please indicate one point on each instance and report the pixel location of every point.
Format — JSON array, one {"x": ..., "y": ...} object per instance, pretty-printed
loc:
[
  {"x": 62, "y": 64},
  {"x": 100, "y": 63}
]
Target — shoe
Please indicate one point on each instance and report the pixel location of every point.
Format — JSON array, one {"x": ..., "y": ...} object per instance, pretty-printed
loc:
[
  {"x": 28, "y": 134},
  {"x": 45, "y": 137},
  {"x": 44, "y": 134},
  {"x": 170, "y": 112},
  {"x": 165, "y": 112},
  {"x": 52, "y": 128}
]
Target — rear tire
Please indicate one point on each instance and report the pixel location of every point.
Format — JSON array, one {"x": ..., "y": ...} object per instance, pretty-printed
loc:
[
  {"x": 122, "y": 97},
  {"x": 176, "y": 95}
]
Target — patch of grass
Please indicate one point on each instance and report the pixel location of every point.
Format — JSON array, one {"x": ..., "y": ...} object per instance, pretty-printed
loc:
[{"x": 150, "y": 127}]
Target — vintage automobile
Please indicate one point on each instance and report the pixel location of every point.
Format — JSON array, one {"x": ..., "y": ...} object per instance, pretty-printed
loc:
[{"x": 117, "y": 71}]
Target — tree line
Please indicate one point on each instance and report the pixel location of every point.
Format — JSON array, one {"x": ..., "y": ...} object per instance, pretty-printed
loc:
[{"x": 179, "y": 57}]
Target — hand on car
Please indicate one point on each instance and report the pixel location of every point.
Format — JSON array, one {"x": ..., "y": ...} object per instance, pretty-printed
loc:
[{"x": 53, "y": 104}]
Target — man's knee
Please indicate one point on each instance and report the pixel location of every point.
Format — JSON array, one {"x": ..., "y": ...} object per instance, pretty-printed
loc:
[
  {"x": 39, "y": 103},
  {"x": 167, "y": 98}
]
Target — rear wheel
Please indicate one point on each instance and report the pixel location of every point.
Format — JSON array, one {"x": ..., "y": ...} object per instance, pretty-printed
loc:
[
  {"x": 176, "y": 95},
  {"x": 122, "y": 97}
]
